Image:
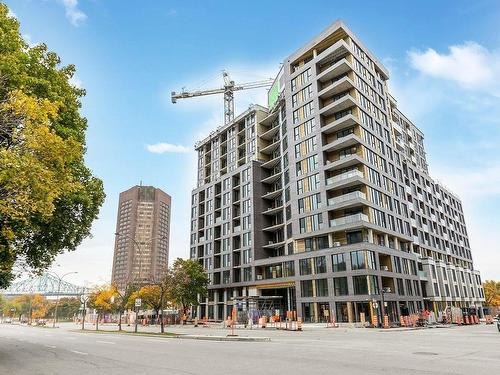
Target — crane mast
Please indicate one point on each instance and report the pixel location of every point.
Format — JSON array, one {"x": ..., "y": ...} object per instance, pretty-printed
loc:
[{"x": 228, "y": 90}]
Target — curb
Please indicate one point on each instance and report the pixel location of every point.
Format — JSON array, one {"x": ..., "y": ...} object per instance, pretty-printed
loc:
[
  {"x": 224, "y": 338},
  {"x": 184, "y": 337}
]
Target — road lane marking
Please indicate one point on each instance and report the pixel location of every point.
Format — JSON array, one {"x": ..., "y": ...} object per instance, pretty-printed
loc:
[
  {"x": 104, "y": 342},
  {"x": 50, "y": 346},
  {"x": 77, "y": 352}
]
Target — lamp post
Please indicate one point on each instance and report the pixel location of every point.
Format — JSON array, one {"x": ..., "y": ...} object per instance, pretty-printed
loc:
[
  {"x": 60, "y": 278},
  {"x": 139, "y": 250}
]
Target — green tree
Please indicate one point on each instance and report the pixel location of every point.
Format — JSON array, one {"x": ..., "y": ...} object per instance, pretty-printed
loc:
[
  {"x": 123, "y": 300},
  {"x": 48, "y": 197},
  {"x": 66, "y": 308},
  {"x": 156, "y": 295},
  {"x": 190, "y": 281}
]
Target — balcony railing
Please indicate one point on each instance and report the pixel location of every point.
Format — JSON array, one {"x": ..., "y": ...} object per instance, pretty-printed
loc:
[
  {"x": 348, "y": 219},
  {"x": 346, "y": 197},
  {"x": 344, "y": 176}
]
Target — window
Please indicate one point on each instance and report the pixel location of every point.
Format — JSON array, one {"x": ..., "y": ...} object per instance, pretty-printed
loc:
[
  {"x": 363, "y": 259},
  {"x": 301, "y": 79},
  {"x": 304, "y": 129},
  {"x": 308, "y": 184},
  {"x": 303, "y": 112},
  {"x": 305, "y": 147},
  {"x": 307, "y": 165},
  {"x": 310, "y": 203},
  {"x": 401, "y": 290},
  {"x": 312, "y": 266},
  {"x": 365, "y": 284},
  {"x": 338, "y": 262},
  {"x": 247, "y": 274},
  {"x": 314, "y": 288},
  {"x": 306, "y": 288},
  {"x": 310, "y": 223},
  {"x": 340, "y": 286},
  {"x": 321, "y": 288},
  {"x": 302, "y": 96}
]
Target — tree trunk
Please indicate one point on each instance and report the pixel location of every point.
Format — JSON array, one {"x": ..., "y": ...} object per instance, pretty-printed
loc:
[
  {"x": 162, "y": 326},
  {"x": 97, "y": 323},
  {"x": 120, "y": 321}
]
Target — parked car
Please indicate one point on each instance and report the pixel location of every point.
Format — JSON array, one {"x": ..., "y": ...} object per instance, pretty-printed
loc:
[
  {"x": 41, "y": 322},
  {"x": 7, "y": 320}
]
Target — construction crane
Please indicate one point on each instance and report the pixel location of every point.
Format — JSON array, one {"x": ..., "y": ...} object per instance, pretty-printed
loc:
[{"x": 228, "y": 90}]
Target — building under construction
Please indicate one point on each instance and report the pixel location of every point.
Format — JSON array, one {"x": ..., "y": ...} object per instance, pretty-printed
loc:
[{"x": 321, "y": 202}]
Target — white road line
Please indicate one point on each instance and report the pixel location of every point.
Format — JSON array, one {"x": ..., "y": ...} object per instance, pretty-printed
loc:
[
  {"x": 77, "y": 352},
  {"x": 50, "y": 346},
  {"x": 104, "y": 342}
]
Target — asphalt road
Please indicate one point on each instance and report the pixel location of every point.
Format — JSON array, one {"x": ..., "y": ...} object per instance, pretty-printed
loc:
[{"x": 457, "y": 350}]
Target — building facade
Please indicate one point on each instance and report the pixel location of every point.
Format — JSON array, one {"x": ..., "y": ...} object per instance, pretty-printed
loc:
[
  {"x": 142, "y": 235},
  {"x": 322, "y": 202}
]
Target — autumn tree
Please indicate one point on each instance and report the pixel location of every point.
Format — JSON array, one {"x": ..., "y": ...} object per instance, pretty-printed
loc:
[
  {"x": 48, "y": 197},
  {"x": 492, "y": 293},
  {"x": 104, "y": 300}
]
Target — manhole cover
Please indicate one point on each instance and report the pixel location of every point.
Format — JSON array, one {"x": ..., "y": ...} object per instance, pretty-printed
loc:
[{"x": 425, "y": 353}]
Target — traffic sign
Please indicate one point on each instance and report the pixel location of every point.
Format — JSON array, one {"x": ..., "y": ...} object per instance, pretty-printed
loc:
[{"x": 138, "y": 302}]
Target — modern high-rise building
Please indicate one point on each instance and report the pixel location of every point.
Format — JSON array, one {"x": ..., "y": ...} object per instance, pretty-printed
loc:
[
  {"x": 322, "y": 201},
  {"x": 142, "y": 235}
]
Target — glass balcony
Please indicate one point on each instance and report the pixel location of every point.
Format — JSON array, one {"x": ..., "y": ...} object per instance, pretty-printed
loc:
[
  {"x": 346, "y": 197},
  {"x": 344, "y": 176},
  {"x": 348, "y": 219}
]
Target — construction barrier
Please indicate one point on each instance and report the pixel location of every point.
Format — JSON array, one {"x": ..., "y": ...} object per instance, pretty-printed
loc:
[
  {"x": 386, "y": 321},
  {"x": 332, "y": 323},
  {"x": 196, "y": 322},
  {"x": 466, "y": 320},
  {"x": 205, "y": 321},
  {"x": 374, "y": 320},
  {"x": 476, "y": 319},
  {"x": 489, "y": 319},
  {"x": 262, "y": 322},
  {"x": 362, "y": 318},
  {"x": 299, "y": 324},
  {"x": 402, "y": 321}
]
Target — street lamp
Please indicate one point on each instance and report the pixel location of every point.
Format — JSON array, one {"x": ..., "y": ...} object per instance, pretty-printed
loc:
[
  {"x": 60, "y": 278},
  {"x": 139, "y": 248}
]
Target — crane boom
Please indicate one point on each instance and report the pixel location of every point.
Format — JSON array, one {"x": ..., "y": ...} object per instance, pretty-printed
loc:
[{"x": 227, "y": 90}]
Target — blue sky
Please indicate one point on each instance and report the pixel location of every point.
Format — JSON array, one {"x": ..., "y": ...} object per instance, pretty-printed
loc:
[{"x": 444, "y": 60}]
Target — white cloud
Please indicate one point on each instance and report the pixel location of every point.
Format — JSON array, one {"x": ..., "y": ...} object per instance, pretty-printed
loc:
[
  {"x": 161, "y": 148},
  {"x": 73, "y": 13},
  {"x": 28, "y": 40},
  {"x": 482, "y": 182},
  {"x": 11, "y": 14},
  {"x": 470, "y": 65},
  {"x": 75, "y": 81}
]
